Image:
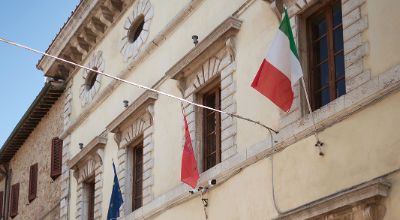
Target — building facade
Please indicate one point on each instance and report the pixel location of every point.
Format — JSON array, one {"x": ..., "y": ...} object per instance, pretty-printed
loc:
[
  {"x": 348, "y": 53},
  {"x": 30, "y": 160}
]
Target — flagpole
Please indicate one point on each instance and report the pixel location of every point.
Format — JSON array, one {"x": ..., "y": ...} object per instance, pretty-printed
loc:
[{"x": 319, "y": 143}]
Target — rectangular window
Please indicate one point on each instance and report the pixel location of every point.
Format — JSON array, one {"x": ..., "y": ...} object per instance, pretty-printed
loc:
[
  {"x": 89, "y": 188},
  {"x": 14, "y": 200},
  {"x": 1, "y": 203},
  {"x": 326, "y": 54},
  {"x": 56, "y": 157},
  {"x": 211, "y": 123},
  {"x": 137, "y": 178},
  {"x": 33, "y": 179}
]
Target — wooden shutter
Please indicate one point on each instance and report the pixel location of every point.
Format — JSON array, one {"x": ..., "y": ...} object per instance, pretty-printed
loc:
[
  {"x": 56, "y": 157},
  {"x": 1, "y": 203},
  {"x": 33, "y": 179},
  {"x": 14, "y": 200}
]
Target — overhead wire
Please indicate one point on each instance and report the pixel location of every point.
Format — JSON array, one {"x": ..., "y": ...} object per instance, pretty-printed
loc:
[{"x": 137, "y": 84}]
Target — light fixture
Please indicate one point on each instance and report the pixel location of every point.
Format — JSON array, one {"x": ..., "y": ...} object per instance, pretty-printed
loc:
[
  {"x": 195, "y": 39},
  {"x": 126, "y": 102}
]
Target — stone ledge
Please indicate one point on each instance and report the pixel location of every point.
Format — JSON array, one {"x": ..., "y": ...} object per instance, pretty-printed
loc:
[
  {"x": 210, "y": 45},
  {"x": 97, "y": 143},
  {"x": 374, "y": 189},
  {"x": 139, "y": 104}
]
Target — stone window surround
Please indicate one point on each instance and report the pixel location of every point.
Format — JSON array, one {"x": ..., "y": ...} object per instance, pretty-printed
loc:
[
  {"x": 88, "y": 163},
  {"x": 212, "y": 58},
  {"x": 133, "y": 123},
  {"x": 363, "y": 200},
  {"x": 355, "y": 49}
]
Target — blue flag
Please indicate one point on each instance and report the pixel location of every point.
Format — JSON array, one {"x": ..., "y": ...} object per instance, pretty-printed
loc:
[{"x": 116, "y": 199}]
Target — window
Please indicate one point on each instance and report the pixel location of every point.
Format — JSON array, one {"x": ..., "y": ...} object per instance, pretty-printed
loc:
[
  {"x": 1, "y": 203},
  {"x": 137, "y": 175},
  {"x": 14, "y": 200},
  {"x": 89, "y": 187},
  {"x": 56, "y": 157},
  {"x": 211, "y": 123},
  {"x": 33, "y": 178},
  {"x": 326, "y": 55}
]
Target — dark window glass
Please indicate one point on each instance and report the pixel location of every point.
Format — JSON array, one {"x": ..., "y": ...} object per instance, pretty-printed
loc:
[
  {"x": 90, "y": 188},
  {"x": 325, "y": 36},
  {"x": 211, "y": 129},
  {"x": 137, "y": 188}
]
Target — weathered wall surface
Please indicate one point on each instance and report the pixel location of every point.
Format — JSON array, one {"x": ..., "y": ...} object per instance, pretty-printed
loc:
[{"x": 37, "y": 149}]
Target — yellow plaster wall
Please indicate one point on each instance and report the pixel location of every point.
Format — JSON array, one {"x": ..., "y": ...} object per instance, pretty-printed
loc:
[
  {"x": 257, "y": 31},
  {"x": 355, "y": 153},
  {"x": 354, "y": 148},
  {"x": 358, "y": 149},
  {"x": 383, "y": 34}
]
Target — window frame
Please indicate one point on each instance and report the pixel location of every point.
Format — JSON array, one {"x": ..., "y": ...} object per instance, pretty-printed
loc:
[
  {"x": 33, "y": 182},
  {"x": 89, "y": 192},
  {"x": 211, "y": 88},
  {"x": 326, "y": 10},
  {"x": 137, "y": 145}
]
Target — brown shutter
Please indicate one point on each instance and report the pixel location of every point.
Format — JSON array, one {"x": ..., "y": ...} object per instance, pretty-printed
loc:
[
  {"x": 56, "y": 157},
  {"x": 33, "y": 179},
  {"x": 1, "y": 203},
  {"x": 14, "y": 200}
]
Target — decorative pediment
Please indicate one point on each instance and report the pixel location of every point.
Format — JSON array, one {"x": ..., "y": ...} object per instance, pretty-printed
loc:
[
  {"x": 362, "y": 200},
  {"x": 134, "y": 120},
  {"x": 221, "y": 37},
  {"x": 84, "y": 163}
]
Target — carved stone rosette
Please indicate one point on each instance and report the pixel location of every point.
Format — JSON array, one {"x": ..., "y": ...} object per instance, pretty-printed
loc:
[
  {"x": 130, "y": 48},
  {"x": 92, "y": 80}
]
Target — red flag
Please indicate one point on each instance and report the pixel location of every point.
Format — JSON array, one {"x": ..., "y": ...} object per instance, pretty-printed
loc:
[{"x": 189, "y": 172}]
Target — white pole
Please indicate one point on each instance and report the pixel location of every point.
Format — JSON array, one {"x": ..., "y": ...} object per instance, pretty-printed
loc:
[{"x": 319, "y": 143}]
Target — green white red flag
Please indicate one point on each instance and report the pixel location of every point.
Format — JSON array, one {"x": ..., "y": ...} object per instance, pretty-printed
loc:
[{"x": 280, "y": 69}]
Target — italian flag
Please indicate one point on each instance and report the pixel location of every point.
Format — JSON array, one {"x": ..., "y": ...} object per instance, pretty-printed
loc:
[{"x": 280, "y": 69}]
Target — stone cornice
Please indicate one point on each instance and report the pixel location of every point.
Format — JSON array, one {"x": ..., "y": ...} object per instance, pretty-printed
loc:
[
  {"x": 80, "y": 34},
  {"x": 211, "y": 44},
  {"x": 140, "y": 104},
  {"x": 93, "y": 147},
  {"x": 372, "y": 190}
]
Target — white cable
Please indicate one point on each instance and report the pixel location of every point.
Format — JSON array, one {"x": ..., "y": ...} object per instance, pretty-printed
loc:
[
  {"x": 135, "y": 84},
  {"x": 272, "y": 175}
]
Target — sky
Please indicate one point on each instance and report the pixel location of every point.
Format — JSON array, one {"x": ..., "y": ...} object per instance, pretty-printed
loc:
[{"x": 34, "y": 23}]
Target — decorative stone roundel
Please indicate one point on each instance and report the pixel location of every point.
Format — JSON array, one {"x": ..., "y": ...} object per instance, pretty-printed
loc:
[
  {"x": 136, "y": 28},
  {"x": 92, "y": 80}
]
